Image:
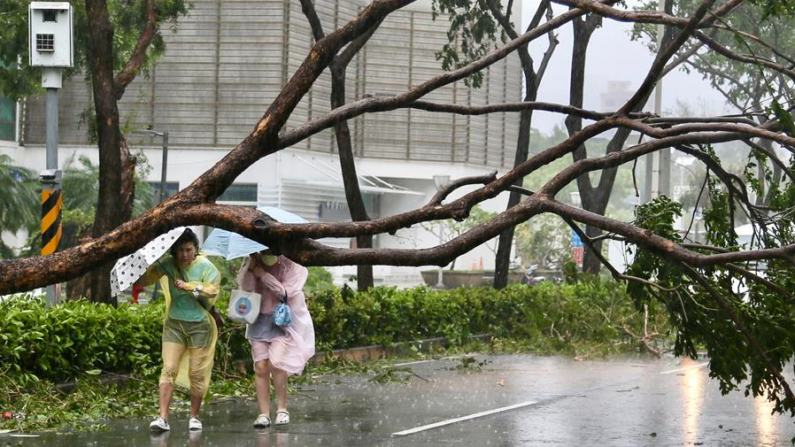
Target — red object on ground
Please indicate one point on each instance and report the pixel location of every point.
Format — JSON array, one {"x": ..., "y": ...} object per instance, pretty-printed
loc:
[
  {"x": 7, "y": 415},
  {"x": 136, "y": 290}
]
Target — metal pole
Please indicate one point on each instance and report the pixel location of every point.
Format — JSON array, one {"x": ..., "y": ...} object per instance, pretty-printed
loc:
[
  {"x": 648, "y": 184},
  {"x": 440, "y": 278},
  {"x": 52, "y": 128},
  {"x": 664, "y": 187},
  {"x": 653, "y": 186},
  {"x": 164, "y": 168},
  {"x": 52, "y": 198},
  {"x": 163, "y": 191}
]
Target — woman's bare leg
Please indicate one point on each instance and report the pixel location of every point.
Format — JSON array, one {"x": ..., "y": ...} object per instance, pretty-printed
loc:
[
  {"x": 280, "y": 383},
  {"x": 166, "y": 390},
  {"x": 261, "y": 376}
]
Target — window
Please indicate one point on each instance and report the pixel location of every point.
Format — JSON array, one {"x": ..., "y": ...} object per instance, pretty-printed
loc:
[
  {"x": 8, "y": 115},
  {"x": 171, "y": 189},
  {"x": 337, "y": 211},
  {"x": 240, "y": 193}
]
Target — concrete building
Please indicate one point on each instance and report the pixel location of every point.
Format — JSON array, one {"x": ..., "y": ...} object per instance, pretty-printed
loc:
[{"x": 229, "y": 59}]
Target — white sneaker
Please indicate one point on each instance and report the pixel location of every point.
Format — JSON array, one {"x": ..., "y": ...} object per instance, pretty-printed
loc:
[
  {"x": 159, "y": 424},
  {"x": 194, "y": 424},
  {"x": 262, "y": 421}
]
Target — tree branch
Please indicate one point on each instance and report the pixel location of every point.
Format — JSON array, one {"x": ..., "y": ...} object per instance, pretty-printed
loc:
[
  {"x": 383, "y": 104},
  {"x": 308, "y": 8},
  {"x": 138, "y": 56},
  {"x": 662, "y": 246},
  {"x": 741, "y": 327}
]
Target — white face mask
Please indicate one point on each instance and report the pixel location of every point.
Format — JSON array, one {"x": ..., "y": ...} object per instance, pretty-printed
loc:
[{"x": 269, "y": 260}]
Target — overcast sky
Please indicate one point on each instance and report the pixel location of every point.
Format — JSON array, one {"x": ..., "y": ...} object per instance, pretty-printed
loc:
[{"x": 612, "y": 56}]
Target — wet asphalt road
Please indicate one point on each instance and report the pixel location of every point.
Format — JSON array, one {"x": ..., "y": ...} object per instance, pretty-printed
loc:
[{"x": 620, "y": 402}]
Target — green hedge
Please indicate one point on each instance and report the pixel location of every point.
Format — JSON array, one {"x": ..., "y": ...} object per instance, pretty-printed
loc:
[
  {"x": 77, "y": 336},
  {"x": 61, "y": 343},
  {"x": 584, "y": 311}
]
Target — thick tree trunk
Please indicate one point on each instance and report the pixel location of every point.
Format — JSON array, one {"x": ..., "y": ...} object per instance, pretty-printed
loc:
[
  {"x": 595, "y": 199},
  {"x": 503, "y": 258},
  {"x": 353, "y": 195},
  {"x": 583, "y": 29},
  {"x": 116, "y": 169}
]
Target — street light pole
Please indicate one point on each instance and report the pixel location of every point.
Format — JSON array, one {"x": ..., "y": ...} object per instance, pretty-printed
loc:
[
  {"x": 696, "y": 216},
  {"x": 440, "y": 181},
  {"x": 164, "y": 166},
  {"x": 163, "y": 175},
  {"x": 658, "y": 163}
]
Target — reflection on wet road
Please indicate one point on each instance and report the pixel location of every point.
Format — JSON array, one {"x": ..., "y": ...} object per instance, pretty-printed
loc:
[{"x": 514, "y": 401}]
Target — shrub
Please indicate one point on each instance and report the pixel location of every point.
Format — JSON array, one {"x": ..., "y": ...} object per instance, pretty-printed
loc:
[
  {"x": 77, "y": 336},
  {"x": 61, "y": 343}
]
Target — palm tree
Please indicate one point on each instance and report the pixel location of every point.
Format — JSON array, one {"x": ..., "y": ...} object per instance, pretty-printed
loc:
[{"x": 19, "y": 201}]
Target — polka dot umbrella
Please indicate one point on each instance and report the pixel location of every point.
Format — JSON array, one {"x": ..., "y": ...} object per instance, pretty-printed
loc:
[{"x": 129, "y": 268}]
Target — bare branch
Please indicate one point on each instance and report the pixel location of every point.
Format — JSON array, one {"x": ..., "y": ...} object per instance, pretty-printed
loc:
[
  {"x": 664, "y": 55},
  {"x": 382, "y": 104},
  {"x": 715, "y": 45},
  {"x": 660, "y": 245},
  {"x": 136, "y": 61},
  {"x": 553, "y": 43},
  {"x": 462, "y": 109},
  {"x": 682, "y": 58},
  {"x": 447, "y": 189},
  {"x": 308, "y": 8},
  {"x": 758, "y": 279},
  {"x": 669, "y": 120}
]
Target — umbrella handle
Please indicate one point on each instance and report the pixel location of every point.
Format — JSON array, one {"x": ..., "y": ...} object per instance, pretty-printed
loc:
[{"x": 164, "y": 270}]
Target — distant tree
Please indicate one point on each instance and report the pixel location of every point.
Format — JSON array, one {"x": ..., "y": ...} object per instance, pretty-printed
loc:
[
  {"x": 19, "y": 201},
  {"x": 755, "y": 30},
  {"x": 474, "y": 25},
  {"x": 544, "y": 242},
  {"x": 451, "y": 229},
  {"x": 114, "y": 41},
  {"x": 353, "y": 195}
]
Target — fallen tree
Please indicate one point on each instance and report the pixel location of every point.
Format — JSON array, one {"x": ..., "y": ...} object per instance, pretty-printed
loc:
[{"x": 746, "y": 329}]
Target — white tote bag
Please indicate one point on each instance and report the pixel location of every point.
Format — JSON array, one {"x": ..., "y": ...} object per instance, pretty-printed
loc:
[{"x": 243, "y": 306}]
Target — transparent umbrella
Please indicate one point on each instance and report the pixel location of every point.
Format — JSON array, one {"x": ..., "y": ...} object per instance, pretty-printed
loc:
[{"x": 232, "y": 245}]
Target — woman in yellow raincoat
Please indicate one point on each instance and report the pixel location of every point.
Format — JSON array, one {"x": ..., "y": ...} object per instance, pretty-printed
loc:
[{"x": 190, "y": 283}]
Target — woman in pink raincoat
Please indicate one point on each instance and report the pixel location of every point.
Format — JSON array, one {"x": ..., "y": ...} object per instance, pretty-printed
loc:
[{"x": 278, "y": 352}]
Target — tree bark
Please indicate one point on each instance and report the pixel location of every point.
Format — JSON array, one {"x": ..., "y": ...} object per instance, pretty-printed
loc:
[
  {"x": 503, "y": 257},
  {"x": 353, "y": 195},
  {"x": 583, "y": 30},
  {"x": 502, "y": 260},
  {"x": 594, "y": 199},
  {"x": 116, "y": 167}
]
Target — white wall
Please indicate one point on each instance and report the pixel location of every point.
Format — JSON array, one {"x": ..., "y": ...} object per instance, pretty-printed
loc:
[{"x": 185, "y": 165}]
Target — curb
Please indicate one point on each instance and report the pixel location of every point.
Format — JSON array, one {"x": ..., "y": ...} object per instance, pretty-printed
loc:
[{"x": 370, "y": 353}]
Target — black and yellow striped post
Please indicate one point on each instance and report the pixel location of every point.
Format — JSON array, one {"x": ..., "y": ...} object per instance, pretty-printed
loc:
[
  {"x": 51, "y": 228},
  {"x": 51, "y": 204}
]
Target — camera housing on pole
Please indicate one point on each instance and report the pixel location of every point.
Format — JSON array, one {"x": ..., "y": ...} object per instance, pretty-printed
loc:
[{"x": 51, "y": 47}]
